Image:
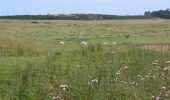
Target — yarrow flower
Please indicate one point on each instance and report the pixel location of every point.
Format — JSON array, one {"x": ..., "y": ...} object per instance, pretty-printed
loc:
[
  {"x": 125, "y": 67},
  {"x": 63, "y": 87},
  {"x": 157, "y": 98},
  {"x": 118, "y": 73},
  {"x": 57, "y": 98},
  {"x": 163, "y": 87},
  {"x": 92, "y": 82},
  {"x": 78, "y": 66},
  {"x": 139, "y": 75}
]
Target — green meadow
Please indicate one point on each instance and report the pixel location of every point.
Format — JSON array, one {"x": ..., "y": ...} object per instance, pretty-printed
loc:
[{"x": 84, "y": 60}]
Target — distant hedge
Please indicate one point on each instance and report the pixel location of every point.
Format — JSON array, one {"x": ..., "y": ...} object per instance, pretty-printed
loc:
[{"x": 74, "y": 17}]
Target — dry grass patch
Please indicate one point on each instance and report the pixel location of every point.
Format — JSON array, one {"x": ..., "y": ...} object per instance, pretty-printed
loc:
[{"x": 12, "y": 47}]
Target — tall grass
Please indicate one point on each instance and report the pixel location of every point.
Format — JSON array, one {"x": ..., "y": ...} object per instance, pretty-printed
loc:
[
  {"x": 11, "y": 47},
  {"x": 93, "y": 72}
]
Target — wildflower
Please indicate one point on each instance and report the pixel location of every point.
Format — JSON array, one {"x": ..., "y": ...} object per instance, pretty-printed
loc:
[
  {"x": 166, "y": 94},
  {"x": 115, "y": 79},
  {"x": 63, "y": 87},
  {"x": 139, "y": 75},
  {"x": 51, "y": 94},
  {"x": 153, "y": 76},
  {"x": 125, "y": 83},
  {"x": 165, "y": 69},
  {"x": 155, "y": 64},
  {"x": 62, "y": 43},
  {"x": 57, "y": 98},
  {"x": 54, "y": 98},
  {"x": 132, "y": 83},
  {"x": 112, "y": 52},
  {"x": 156, "y": 61},
  {"x": 147, "y": 76},
  {"x": 153, "y": 97},
  {"x": 121, "y": 81},
  {"x": 93, "y": 81},
  {"x": 167, "y": 62},
  {"x": 142, "y": 79},
  {"x": 78, "y": 66},
  {"x": 150, "y": 73},
  {"x": 158, "y": 67},
  {"x": 83, "y": 43},
  {"x": 125, "y": 67},
  {"x": 163, "y": 87},
  {"x": 137, "y": 84},
  {"x": 118, "y": 73},
  {"x": 157, "y": 98}
]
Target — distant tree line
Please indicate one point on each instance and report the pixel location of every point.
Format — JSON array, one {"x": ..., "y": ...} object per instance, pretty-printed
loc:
[
  {"x": 160, "y": 14},
  {"x": 74, "y": 17},
  {"x": 165, "y": 14}
]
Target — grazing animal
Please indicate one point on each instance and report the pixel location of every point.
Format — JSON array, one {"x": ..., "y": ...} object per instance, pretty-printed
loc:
[
  {"x": 83, "y": 43},
  {"x": 62, "y": 43},
  {"x": 105, "y": 43},
  {"x": 114, "y": 43}
]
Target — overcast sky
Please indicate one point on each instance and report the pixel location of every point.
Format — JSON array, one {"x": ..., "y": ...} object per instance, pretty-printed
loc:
[{"x": 115, "y": 7}]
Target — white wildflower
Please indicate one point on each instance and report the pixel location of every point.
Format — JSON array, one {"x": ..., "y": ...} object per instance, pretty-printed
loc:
[
  {"x": 54, "y": 98},
  {"x": 94, "y": 81},
  {"x": 142, "y": 79},
  {"x": 78, "y": 66},
  {"x": 165, "y": 69},
  {"x": 156, "y": 61},
  {"x": 112, "y": 52},
  {"x": 163, "y": 87},
  {"x": 139, "y": 75},
  {"x": 118, "y": 73},
  {"x": 125, "y": 67},
  {"x": 121, "y": 81},
  {"x": 63, "y": 87},
  {"x": 167, "y": 62}
]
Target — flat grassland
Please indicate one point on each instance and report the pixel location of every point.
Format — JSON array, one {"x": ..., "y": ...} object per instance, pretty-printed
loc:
[{"x": 122, "y": 60}]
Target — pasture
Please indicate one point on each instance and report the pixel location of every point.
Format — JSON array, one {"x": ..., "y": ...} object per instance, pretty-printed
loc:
[{"x": 85, "y": 60}]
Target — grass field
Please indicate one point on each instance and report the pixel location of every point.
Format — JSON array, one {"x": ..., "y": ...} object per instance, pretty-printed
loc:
[{"x": 113, "y": 65}]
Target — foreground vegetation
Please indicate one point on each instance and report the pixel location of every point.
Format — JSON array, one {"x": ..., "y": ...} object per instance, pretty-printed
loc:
[{"x": 36, "y": 65}]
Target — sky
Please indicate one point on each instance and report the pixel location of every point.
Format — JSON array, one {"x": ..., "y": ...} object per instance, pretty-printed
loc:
[{"x": 113, "y": 7}]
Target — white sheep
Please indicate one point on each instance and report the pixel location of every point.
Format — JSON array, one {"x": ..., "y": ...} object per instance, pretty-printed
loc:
[
  {"x": 114, "y": 43},
  {"x": 62, "y": 43},
  {"x": 105, "y": 43},
  {"x": 83, "y": 43}
]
